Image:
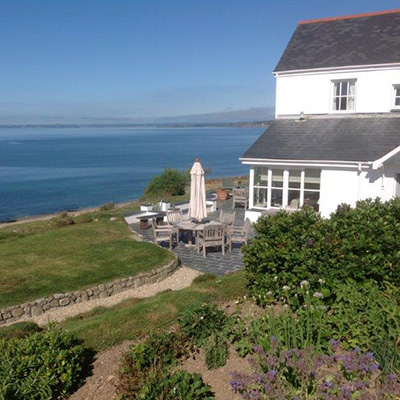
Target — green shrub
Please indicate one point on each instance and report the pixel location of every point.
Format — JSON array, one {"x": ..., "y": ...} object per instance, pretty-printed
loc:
[
  {"x": 107, "y": 207},
  {"x": 63, "y": 219},
  {"x": 359, "y": 243},
  {"x": 362, "y": 315},
  {"x": 45, "y": 365},
  {"x": 199, "y": 322},
  {"x": 147, "y": 364},
  {"x": 83, "y": 219},
  {"x": 170, "y": 183},
  {"x": 216, "y": 350}
]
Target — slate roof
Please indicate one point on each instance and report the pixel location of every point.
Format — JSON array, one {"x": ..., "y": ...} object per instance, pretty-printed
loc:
[
  {"x": 334, "y": 42},
  {"x": 327, "y": 139}
]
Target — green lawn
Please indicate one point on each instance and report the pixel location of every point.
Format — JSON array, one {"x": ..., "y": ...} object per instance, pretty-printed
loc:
[
  {"x": 134, "y": 319},
  {"x": 38, "y": 259}
]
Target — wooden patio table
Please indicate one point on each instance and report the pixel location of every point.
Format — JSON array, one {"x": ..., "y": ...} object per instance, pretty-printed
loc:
[{"x": 191, "y": 226}]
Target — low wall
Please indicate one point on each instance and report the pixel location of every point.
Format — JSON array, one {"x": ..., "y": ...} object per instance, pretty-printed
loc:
[{"x": 41, "y": 306}]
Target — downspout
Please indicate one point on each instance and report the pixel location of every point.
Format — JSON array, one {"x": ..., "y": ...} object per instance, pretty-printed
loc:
[{"x": 383, "y": 178}]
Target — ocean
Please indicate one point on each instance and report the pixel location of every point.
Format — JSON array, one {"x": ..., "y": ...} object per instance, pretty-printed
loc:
[{"x": 47, "y": 170}]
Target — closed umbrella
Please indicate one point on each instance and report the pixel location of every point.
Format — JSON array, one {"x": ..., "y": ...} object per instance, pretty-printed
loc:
[{"x": 197, "y": 205}]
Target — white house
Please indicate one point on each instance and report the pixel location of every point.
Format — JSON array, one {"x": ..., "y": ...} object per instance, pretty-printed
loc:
[{"x": 336, "y": 136}]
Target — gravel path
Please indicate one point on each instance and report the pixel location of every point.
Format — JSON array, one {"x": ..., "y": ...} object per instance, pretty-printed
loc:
[{"x": 182, "y": 278}]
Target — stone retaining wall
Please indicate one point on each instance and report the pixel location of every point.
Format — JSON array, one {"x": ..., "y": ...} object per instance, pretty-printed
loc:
[{"x": 40, "y": 306}]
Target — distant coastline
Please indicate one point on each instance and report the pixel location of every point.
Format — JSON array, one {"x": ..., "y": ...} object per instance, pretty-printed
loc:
[{"x": 253, "y": 124}]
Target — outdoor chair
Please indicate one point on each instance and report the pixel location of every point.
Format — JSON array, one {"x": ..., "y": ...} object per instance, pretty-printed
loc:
[
  {"x": 228, "y": 183},
  {"x": 173, "y": 217},
  {"x": 239, "y": 234},
  {"x": 293, "y": 206},
  {"x": 239, "y": 197},
  {"x": 227, "y": 217},
  {"x": 211, "y": 236},
  {"x": 162, "y": 233}
]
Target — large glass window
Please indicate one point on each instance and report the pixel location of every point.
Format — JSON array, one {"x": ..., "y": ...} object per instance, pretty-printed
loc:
[
  {"x": 344, "y": 95},
  {"x": 312, "y": 185},
  {"x": 277, "y": 188},
  {"x": 294, "y": 188},
  {"x": 396, "y": 102}
]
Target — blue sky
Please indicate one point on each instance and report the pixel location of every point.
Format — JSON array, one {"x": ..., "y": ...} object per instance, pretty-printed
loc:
[{"x": 69, "y": 61}]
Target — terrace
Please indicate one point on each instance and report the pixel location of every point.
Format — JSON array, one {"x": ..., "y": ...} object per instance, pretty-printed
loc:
[{"x": 215, "y": 263}]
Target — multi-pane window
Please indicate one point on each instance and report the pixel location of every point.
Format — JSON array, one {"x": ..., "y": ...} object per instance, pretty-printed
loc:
[
  {"x": 276, "y": 188},
  {"x": 344, "y": 95},
  {"x": 397, "y": 96}
]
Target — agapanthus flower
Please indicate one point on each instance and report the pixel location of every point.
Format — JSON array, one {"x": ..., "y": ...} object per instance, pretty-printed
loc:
[
  {"x": 318, "y": 295},
  {"x": 286, "y": 288},
  {"x": 304, "y": 284}
]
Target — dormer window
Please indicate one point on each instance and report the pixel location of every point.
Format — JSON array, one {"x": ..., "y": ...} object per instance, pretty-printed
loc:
[
  {"x": 344, "y": 95},
  {"x": 396, "y": 97}
]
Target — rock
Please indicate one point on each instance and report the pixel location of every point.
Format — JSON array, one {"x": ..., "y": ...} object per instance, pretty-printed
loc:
[
  {"x": 109, "y": 291},
  {"x": 54, "y": 303},
  {"x": 129, "y": 283},
  {"x": 65, "y": 301},
  {"x": 41, "y": 302},
  {"x": 113, "y": 219},
  {"x": 109, "y": 285},
  {"x": 17, "y": 312},
  {"x": 59, "y": 295},
  {"x": 117, "y": 288},
  {"x": 102, "y": 287},
  {"x": 103, "y": 295},
  {"x": 46, "y": 307},
  {"x": 84, "y": 296},
  {"x": 36, "y": 311},
  {"x": 89, "y": 292},
  {"x": 7, "y": 315}
]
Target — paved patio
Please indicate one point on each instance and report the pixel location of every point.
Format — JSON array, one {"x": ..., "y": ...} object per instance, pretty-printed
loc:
[{"x": 215, "y": 263}]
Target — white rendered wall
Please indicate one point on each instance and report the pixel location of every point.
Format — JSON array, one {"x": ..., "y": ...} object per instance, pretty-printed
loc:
[
  {"x": 348, "y": 186},
  {"x": 312, "y": 92}
]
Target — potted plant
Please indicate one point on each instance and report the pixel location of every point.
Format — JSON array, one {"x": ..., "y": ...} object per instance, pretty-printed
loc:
[{"x": 222, "y": 193}]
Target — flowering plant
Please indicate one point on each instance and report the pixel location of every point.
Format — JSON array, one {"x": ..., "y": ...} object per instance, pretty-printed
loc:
[{"x": 301, "y": 374}]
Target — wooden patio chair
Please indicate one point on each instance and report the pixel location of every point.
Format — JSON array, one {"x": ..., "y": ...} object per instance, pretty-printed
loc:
[
  {"x": 162, "y": 233},
  {"x": 239, "y": 234},
  {"x": 227, "y": 217},
  {"x": 174, "y": 216},
  {"x": 211, "y": 236},
  {"x": 239, "y": 197}
]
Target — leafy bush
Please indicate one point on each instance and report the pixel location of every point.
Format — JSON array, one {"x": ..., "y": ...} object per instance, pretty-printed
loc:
[
  {"x": 107, "y": 207},
  {"x": 199, "y": 322},
  {"x": 364, "y": 317},
  {"x": 147, "y": 364},
  {"x": 63, "y": 219},
  {"x": 42, "y": 366},
  {"x": 170, "y": 183},
  {"x": 180, "y": 385},
  {"x": 359, "y": 243},
  {"x": 83, "y": 219},
  {"x": 216, "y": 350},
  {"x": 302, "y": 374}
]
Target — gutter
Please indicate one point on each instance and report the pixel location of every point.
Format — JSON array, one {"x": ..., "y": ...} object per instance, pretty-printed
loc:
[
  {"x": 310, "y": 163},
  {"x": 349, "y": 68}
]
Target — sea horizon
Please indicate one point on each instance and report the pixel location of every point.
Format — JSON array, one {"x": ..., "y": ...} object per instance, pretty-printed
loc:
[{"x": 45, "y": 171}]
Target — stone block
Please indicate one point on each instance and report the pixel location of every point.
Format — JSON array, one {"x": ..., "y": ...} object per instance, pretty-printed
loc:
[
  {"x": 103, "y": 295},
  {"x": 110, "y": 291},
  {"x": 117, "y": 288},
  {"x": 59, "y": 295},
  {"x": 17, "y": 312},
  {"x": 109, "y": 285},
  {"x": 46, "y": 307},
  {"x": 102, "y": 288},
  {"x": 65, "y": 301},
  {"x": 36, "y": 311},
  {"x": 54, "y": 303},
  {"x": 84, "y": 295}
]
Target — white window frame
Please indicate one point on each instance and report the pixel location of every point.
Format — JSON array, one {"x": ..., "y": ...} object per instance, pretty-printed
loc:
[
  {"x": 394, "y": 97},
  {"x": 285, "y": 188},
  {"x": 333, "y": 96}
]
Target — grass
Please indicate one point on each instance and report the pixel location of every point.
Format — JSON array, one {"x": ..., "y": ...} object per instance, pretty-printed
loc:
[
  {"x": 134, "y": 319},
  {"x": 38, "y": 259}
]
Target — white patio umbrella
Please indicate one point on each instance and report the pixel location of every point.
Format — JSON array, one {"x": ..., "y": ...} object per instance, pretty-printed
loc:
[{"x": 197, "y": 205}]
